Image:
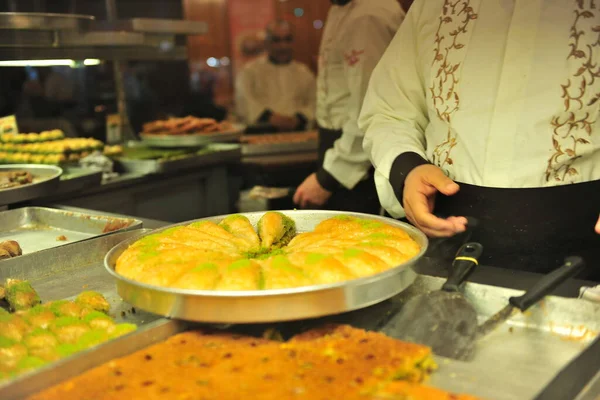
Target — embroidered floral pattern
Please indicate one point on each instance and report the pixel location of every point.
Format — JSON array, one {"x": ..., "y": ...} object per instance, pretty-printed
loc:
[
  {"x": 456, "y": 17},
  {"x": 571, "y": 128},
  {"x": 352, "y": 58}
]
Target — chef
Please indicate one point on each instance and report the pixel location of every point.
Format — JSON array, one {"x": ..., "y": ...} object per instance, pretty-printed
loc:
[
  {"x": 491, "y": 109},
  {"x": 276, "y": 89},
  {"x": 356, "y": 34}
]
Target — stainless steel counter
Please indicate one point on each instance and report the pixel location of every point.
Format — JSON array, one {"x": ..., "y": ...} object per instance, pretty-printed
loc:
[{"x": 514, "y": 363}]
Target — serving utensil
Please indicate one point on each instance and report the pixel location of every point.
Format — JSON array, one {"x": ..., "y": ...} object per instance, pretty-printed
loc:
[
  {"x": 443, "y": 320},
  {"x": 516, "y": 304}
]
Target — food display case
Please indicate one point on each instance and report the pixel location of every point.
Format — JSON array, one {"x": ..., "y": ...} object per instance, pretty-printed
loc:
[{"x": 533, "y": 353}]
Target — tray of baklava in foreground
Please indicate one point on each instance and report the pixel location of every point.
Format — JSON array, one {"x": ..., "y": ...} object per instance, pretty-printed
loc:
[
  {"x": 266, "y": 267},
  {"x": 334, "y": 361}
]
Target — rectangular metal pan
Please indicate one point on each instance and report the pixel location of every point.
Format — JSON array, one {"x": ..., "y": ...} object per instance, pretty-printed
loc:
[
  {"x": 63, "y": 273},
  {"x": 40, "y": 228},
  {"x": 270, "y": 305},
  {"x": 193, "y": 140},
  {"x": 220, "y": 152},
  {"x": 278, "y": 148},
  {"x": 518, "y": 360},
  {"x": 515, "y": 363}
]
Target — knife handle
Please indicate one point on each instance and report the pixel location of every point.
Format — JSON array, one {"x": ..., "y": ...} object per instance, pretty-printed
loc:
[
  {"x": 548, "y": 283},
  {"x": 464, "y": 264}
]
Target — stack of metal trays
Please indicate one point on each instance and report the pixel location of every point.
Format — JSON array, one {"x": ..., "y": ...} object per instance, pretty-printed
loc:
[
  {"x": 39, "y": 228},
  {"x": 45, "y": 181},
  {"x": 209, "y": 155}
]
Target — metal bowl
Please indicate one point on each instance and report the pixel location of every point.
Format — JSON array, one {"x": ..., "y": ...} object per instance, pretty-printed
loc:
[
  {"x": 46, "y": 179},
  {"x": 260, "y": 306}
]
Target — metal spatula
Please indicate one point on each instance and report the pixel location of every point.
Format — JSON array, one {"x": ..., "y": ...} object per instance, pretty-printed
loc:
[
  {"x": 543, "y": 287},
  {"x": 443, "y": 320}
]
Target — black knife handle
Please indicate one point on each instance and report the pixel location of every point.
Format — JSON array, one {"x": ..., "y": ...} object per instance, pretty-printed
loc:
[
  {"x": 548, "y": 283},
  {"x": 464, "y": 264}
]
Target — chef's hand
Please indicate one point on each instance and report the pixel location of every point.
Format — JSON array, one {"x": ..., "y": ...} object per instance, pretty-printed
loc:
[
  {"x": 598, "y": 226},
  {"x": 420, "y": 188},
  {"x": 310, "y": 192},
  {"x": 283, "y": 122}
]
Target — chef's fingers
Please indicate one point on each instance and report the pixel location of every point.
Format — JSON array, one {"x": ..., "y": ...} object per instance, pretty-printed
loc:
[
  {"x": 460, "y": 223},
  {"x": 304, "y": 201},
  {"x": 417, "y": 212},
  {"x": 297, "y": 196},
  {"x": 598, "y": 226},
  {"x": 436, "y": 178}
]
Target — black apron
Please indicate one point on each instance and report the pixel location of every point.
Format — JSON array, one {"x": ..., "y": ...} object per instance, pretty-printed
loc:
[
  {"x": 531, "y": 229},
  {"x": 363, "y": 197}
]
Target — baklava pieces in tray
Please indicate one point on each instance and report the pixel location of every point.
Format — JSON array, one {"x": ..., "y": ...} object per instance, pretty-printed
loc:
[
  {"x": 233, "y": 255},
  {"x": 336, "y": 362}
]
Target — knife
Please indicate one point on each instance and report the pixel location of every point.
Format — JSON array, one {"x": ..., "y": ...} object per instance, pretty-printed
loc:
[{"x": 570, "y": 267}]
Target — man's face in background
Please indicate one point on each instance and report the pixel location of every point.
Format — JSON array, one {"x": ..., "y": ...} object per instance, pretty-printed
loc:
[{"x": 279, "y": 43}]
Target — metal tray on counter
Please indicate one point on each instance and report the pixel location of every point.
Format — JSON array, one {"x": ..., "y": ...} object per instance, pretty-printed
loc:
[
  {"x": 76, "y": 178},
  {"x": 279, "y": 148},
  {"x": 45, "y": 181},
  {"x": 193, "y": 140},
  {"x": 269, "y": 305},
  {"x": 63, "y": 273},
  {"x": 40, "y": 228},
  {"x": 514, "y": 363},
  {"x": 217, "y": 152},
  {"x": 279, "y": 143}
]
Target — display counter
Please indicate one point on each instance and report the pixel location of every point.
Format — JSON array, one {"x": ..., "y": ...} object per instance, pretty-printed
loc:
[{"x": 516, "y": 362}]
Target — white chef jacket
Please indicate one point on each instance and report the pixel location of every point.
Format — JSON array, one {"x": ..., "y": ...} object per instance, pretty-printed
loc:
[
  {"x": 355, "y": 37},
  {"x": 286, "y": 89},
  {"x": 498, "y": 93}
]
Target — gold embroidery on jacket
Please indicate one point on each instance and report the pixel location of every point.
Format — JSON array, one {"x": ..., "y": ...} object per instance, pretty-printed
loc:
[
  {"x": 456, "y": 16},
  {"x": 571, "y": 127}
]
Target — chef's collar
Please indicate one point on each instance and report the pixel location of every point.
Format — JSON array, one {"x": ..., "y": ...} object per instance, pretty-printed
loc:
[{"x": 340, "y": 2}]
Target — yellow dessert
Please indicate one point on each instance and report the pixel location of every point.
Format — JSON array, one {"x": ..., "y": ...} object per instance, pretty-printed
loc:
[{"x": 232, "y": 255}]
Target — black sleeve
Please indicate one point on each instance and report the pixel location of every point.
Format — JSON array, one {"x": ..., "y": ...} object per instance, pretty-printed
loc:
[
  {"x": 265, "y": 116},
  {"x": 302, "y": 121},
  {"x": 401, "y": 167},
  {"x": 327, "y": 181}
]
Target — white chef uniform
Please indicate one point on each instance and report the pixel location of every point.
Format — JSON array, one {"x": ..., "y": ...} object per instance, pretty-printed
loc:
[
  {"x": 355, "y": 37},
  {"x": 287, "y": 89},
  {"x": 497, "y": 93}
]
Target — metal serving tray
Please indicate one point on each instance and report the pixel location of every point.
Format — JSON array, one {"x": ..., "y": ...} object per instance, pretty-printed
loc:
[
  {"x": 63, "y": 273},
  {"x": 513, "y": 363},
  {"x": 193, "y": 140},
  {"x": 518, "y": 360},
  {"x": 38, "y": 228},
  {"x": 269, "y": 305},
  {"x": 279, "y": 148},
  {"x": 220, "y": 152},
  {"x": 45, "y": 181}
]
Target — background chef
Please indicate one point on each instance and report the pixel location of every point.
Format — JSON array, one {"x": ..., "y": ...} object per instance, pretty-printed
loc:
[
  {"x": 276, "y": 89},
  {"x": 502, "y": 98},
  {"x": 356, "y": 34}
]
